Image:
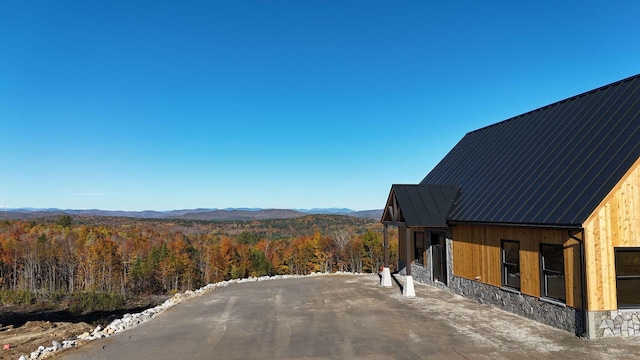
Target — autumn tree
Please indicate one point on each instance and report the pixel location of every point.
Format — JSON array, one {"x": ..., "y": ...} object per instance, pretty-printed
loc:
[
  {"x": 132, "y": 257},
  {"x": 373, "y": 251},
  {"x": 341, "y": 239}
]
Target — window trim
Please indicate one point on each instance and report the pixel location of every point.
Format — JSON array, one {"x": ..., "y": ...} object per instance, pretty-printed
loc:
[
  {"x": 624, "y": 277},
  {"x": 504, "y": 264},
  {"x": 543, "y": 272}
]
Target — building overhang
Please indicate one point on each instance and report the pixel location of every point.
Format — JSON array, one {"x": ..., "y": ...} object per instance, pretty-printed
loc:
[
  {"x": 419, "y": 205},
  {"x": 573, "y": 227}
]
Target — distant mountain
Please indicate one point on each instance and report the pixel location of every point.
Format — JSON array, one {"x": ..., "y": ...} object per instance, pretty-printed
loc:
[
  {"x": 233, "y": 214},
  {"x": 327, "y": 211},
  {"x": 368, "y": 214},
  {"x": 243, "y": 214}
]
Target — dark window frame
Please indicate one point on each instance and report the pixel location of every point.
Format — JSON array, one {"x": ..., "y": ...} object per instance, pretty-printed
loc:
[
  {"x": 438, "y": 244},
  {"x": 545, "y": 273},
  {"x": 625, "y": 277},
  {"x": 505, "y": 266},
  {"x": 419, "y": 251}
]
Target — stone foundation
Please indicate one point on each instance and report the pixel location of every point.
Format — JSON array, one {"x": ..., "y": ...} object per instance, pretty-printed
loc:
[
  {"x": 545, "y": 311},
  {"x": 618, "y": 323},
  {"x": 419, "y": 273},
  {"x": 423, "y": 274}
]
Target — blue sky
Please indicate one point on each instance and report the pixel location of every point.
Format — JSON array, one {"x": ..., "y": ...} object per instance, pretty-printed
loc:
[{"x": 134, "y": 105}]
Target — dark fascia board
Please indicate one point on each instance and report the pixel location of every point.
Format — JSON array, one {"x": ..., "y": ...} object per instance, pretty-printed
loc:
[
  {"x": 394, "y": 223},
  {"x": 403, "y": 224},
  {"x": 575, "y": 227},
  {"x": 390, "y": 200},
  {"x": 386, "y": 205}
]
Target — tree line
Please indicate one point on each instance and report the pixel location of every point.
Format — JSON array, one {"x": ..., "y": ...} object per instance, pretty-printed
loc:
[{"x": 138, "y": 258}]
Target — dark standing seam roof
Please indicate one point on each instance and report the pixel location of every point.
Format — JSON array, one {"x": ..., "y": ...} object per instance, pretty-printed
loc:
[
  {"x": 426, "y": 206},
  {"x": 550, "y": 166}
]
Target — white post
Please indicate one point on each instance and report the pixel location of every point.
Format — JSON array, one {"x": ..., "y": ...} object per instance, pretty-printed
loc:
[
  {"x": 386, "y": 273},
  {"x": 386, "y": 277},
  {"x": 409, "y": 290}
]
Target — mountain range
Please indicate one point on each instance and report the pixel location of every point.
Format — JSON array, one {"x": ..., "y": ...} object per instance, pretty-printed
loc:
[{"x": 190, "y": 214}]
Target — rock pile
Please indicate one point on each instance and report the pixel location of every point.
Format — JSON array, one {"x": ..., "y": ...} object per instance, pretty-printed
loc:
[{"x": 131, "y": 320}]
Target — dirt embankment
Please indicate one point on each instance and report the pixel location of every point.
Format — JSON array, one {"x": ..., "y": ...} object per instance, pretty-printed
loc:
[
  {"x": 23, "y": 329},
  {"x": 32, "y": 334}
]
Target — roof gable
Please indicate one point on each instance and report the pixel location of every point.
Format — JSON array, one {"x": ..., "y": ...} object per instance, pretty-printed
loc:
[
  {"x": 550, "y": 166},
  {"x": 417, "y": 205}
]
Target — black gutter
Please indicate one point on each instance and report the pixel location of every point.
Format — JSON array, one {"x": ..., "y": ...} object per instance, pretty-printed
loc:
[
  {"x": 583, "y": 283},
  {"x": 395, "y": 223},
  {"x": 570, "y": 227}
]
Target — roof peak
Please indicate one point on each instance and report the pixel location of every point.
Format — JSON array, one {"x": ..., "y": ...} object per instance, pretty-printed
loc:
[
  {"x": 630, "y": 78},
  {"x": 553, "y": 166}
]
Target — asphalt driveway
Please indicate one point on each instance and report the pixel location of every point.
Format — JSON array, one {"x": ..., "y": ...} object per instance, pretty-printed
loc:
[{"x": 343, "y": 317}]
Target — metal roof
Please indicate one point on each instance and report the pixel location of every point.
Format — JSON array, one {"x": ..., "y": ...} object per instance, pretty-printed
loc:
[
  {"x": 418, "y": 205},
  {"x": 550, "y": 166}
]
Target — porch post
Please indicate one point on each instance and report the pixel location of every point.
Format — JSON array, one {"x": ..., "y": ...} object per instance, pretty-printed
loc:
[
  {"x": 408, "y": 289},
  {"x": 386, "y": 274}
]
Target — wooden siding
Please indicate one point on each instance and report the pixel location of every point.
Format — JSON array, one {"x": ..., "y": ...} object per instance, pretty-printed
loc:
[
  {"x": 615, "y": 223},
  {"x": 476, "y": 256},
  {"x": 402, "y": 247}
]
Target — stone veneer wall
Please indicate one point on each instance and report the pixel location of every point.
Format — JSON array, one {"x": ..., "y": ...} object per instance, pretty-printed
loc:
[
  {"x": 547, "y": 312},
  {"x": 614, "y": 323},
  {"x": 424, "y": 275}
]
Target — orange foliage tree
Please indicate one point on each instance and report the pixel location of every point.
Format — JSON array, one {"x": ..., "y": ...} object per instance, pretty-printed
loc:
[{"x": 150, "y": 257}]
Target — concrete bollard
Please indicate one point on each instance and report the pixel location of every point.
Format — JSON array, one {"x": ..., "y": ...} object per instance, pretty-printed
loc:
[
  {"x": 409, "y": 290},
  {"x": 386, "y": 277}
]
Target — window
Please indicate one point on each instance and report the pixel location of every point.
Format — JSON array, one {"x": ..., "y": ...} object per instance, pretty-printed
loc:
[
  {"x": 552, "y": 272},
  {"x": 511, "y": 264},
  {"x": 418, "y": 238},
  {"x": 628, "y": 277}
]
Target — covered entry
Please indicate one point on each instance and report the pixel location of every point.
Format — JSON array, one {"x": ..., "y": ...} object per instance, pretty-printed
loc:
[{"x": 420, "y": 213}]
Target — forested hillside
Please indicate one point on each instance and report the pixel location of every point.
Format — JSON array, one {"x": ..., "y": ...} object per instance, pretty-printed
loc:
[{"x": 136, "y": 257}]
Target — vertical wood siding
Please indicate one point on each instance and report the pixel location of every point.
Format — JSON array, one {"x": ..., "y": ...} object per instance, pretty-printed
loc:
[
  {"x": 476, "y": 256},
  {"x": 402, "y": 241},
  {"x": 402, "y": 246},
  {"x": 615, "y": 223}
]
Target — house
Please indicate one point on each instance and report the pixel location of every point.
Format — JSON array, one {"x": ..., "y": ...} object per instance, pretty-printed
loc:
[{"x": 538, "y": 214}]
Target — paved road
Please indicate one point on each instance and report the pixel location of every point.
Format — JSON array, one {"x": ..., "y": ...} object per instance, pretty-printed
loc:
[{"x": 343, "y": 317}]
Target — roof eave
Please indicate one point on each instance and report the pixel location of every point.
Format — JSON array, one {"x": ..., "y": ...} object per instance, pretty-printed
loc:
[{"x": 511, "y": 224}]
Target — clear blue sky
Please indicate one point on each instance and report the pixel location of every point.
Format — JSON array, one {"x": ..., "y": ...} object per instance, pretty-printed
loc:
[{"x": 134, "y": 105}]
